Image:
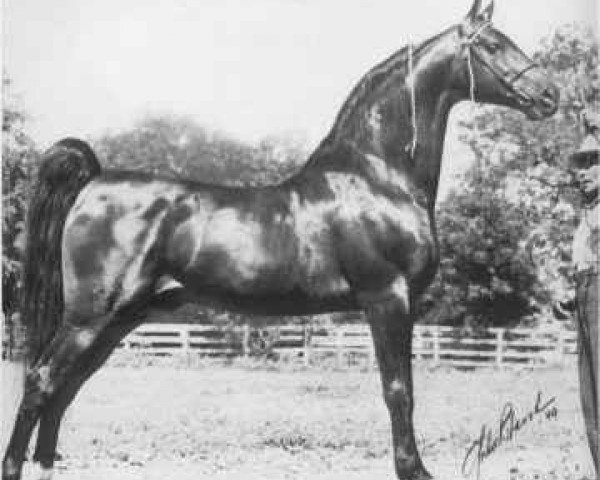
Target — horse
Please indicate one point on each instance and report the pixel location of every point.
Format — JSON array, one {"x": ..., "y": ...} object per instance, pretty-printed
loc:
[{"x": 353, "y": 229}]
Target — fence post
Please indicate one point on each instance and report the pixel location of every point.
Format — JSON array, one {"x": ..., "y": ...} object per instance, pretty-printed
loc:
[
  {"x": 184, "y": 333},
  {"x": 436, "y": 344},
  {"x": 307, "y": 345},
  {"x": 340, "y": 346},
  {"x": 371, "y": 356},
  {"x": 245, "y": 340},
  {"x": 560, "y": 348},
  {"x": 499, "y": 346},
  {"x": 416, "y": 342}
]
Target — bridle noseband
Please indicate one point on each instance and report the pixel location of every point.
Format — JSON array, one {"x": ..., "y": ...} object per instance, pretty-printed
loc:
[{"x": 507, "y": 82}]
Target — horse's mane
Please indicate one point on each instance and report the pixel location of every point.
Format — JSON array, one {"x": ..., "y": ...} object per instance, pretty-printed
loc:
[{"x": 395, "y": 64}]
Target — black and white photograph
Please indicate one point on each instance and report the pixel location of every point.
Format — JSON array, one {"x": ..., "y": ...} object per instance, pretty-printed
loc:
[{"x": 300, "y": 239}]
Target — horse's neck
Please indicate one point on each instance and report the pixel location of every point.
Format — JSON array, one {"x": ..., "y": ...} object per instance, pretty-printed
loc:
[
  {"x": 376, "y": 119},
  {"x": 430, "y": 145},
  {"x": 379, "y": 125}
]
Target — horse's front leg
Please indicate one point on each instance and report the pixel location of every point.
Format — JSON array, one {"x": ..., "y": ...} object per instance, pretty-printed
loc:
[{"x": 391, "y": 323}]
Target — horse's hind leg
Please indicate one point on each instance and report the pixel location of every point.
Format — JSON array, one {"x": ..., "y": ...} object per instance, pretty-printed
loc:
[
  {"x": 51, "y": 416},
  {"x": 391, "y": 324},
  {"x": 58, "y": 364},
  {"x": 90, "y": 362}
]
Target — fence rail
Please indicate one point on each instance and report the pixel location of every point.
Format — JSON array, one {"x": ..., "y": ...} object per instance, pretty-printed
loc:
[{"x": 351, "y": 344}]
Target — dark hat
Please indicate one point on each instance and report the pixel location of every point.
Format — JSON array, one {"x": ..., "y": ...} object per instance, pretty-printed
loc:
[{"x": 588, "y": 153}]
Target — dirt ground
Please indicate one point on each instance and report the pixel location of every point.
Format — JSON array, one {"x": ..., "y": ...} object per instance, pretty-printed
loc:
[{"x": 243, "y": 421}]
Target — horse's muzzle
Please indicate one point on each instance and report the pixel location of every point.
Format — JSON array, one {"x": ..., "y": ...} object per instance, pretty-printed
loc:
[{"x": 545, "y": 104}]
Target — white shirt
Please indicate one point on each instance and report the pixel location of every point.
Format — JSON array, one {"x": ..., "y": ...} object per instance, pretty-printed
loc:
[{"x": 586, "y": 240}]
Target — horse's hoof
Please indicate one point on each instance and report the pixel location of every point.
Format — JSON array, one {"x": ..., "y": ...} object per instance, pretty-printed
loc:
[
  {"x": 420, "y": 475},
  {"x": 11, "y": 475},
  {"x": 10, "y": 470},
  {"x": 42, "y": 473},
  {"x": 423, "y": 476},
  {"x": 415, "y": 475}
]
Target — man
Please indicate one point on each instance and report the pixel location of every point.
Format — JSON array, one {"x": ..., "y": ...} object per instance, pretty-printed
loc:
[{"x": 585, "y": 168}]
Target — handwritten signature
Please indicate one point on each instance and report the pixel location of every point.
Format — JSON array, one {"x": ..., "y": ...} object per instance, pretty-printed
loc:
[{"x": 510, "y": 423}]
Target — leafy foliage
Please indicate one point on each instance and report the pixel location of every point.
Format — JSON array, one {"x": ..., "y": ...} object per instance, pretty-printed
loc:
[
  {"x": 19, "y": 157},
  {"x": 177, "y": 146}
]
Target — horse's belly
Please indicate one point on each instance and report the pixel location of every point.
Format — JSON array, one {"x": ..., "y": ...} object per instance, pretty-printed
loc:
[
  {"x": 250, "y": 271},
  {"x": 295, "y": 302},
  {"x": 235, "y": 283}
]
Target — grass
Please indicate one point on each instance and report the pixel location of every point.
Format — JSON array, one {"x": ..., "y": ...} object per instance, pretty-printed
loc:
[{"x": 248, "y": 421}]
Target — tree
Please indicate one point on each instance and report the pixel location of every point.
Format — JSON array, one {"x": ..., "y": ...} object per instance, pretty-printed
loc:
[
  {"x": 178, "y": 146},
  {"x": 19, "y": 158},
  {"x": 486, "y": 278}
]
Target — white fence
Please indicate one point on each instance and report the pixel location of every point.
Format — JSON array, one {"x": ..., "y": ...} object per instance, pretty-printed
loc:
[{"x": 351, "y": 344}]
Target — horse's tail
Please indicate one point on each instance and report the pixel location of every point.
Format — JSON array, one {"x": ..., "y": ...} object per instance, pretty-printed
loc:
[{"x": 66, "y": 168}]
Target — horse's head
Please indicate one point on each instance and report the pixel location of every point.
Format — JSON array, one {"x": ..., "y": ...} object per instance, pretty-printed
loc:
[{"x": 491, "y": 68}]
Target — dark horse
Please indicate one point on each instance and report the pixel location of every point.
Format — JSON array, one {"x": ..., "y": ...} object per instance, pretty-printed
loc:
[{"x": 353, "y": 229}]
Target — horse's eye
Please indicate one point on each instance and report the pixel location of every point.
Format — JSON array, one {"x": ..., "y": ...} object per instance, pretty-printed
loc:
[{"x": 492, "y": 47}]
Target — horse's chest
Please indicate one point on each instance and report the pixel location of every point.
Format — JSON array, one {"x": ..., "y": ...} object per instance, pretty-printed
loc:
[
  {"x": 379, "y": 236},
  {"x": 396, "y": 232}
]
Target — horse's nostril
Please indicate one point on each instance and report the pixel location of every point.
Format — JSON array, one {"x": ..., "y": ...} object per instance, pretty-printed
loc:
[
  {"x": 549, "y": 99},
  {"x": 550, "y": 96}
]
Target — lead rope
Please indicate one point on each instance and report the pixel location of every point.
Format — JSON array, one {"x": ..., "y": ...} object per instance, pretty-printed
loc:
[
  {"x": 413, "y": 103},
  {"x": 471, "y": 74},
  {"x": 469, "y": 42}
]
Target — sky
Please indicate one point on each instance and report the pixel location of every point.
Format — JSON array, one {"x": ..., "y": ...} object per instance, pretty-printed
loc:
[{"x": 251, "y": 68}]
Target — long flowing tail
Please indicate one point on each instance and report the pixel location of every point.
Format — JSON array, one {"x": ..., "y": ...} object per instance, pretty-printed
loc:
[{"x": 65, "y": 169}]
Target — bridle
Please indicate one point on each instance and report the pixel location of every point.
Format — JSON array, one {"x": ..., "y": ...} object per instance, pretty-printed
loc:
[{"x": 507, "y": 81}]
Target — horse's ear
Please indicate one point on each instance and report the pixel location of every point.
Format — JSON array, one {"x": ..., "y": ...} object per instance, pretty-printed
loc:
[
  {"x": 488, "y": 11},
  {"x": 480, "y": 13},
  {"x": 475, "y": 9}
]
